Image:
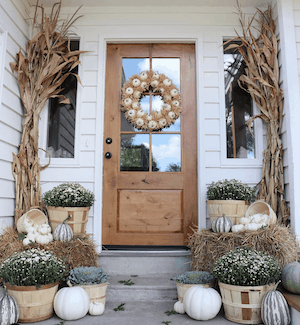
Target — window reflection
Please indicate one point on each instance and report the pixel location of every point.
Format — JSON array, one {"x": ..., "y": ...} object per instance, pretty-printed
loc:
[{"x": 238, "y": 109}]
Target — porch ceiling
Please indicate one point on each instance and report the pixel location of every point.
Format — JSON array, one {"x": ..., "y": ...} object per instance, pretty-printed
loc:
[{"x": 164, "y": 3}]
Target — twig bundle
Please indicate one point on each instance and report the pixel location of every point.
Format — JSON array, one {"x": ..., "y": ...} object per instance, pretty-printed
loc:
[
  {"x": 261, "y": 80},
  {"x": 276, "y": 240},
  {"x": 41, "y": 70}
]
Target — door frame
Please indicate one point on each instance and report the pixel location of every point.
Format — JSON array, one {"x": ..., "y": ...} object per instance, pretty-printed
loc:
[{"x": 100, "y": 107}]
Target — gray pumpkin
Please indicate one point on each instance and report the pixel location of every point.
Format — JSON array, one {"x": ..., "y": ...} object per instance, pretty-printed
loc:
[
  {"x": 222, "y": 224},
  {"x": 63, "y": 232},
  {"x": 9, "y": 310}
]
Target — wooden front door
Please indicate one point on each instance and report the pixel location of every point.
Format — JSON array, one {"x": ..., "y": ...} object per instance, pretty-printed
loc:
[{"x": 149, "y": 178}]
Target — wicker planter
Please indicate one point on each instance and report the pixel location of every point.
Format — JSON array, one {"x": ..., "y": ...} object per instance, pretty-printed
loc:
[
  {"x": 78, "y": 220},
  {"x": 263, "y": 207},
  {"x": 243, "y": 304},
  {"x": 233, "y": 209},
  {"x": 96, "y": 292},
  {"x": 34, "y": 304},
  {"x": 183, "y": 288}
]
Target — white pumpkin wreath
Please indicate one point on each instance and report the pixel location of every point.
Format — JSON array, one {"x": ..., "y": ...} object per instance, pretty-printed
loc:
[{"x": 132, "y": 92}]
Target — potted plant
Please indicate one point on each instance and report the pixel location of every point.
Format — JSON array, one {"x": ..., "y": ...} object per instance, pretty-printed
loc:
[
  {"x": 245, "y": 276},
  {"x": 229, "y": 197},
  {"x": 189, "y": 279},
  {"x": 32, "y": 278},
  {"x": 69, "y": 199},
  {"x": 93, "y": 279}
]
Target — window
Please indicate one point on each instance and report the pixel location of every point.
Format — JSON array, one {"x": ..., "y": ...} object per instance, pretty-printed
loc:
[
  {"x": 62, "y": 118},
  {"x": 238, "y": 108}
]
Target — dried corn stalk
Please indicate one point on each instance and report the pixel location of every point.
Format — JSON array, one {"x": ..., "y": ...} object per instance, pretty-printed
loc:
[
  {"x": 261, "y": 80},
  {"x": 40, "y": 71}
]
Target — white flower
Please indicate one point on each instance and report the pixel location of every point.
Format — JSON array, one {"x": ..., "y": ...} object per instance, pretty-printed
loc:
[
  {"x": 167, "y": 82},
  {"x": 144, "y": 84},
  {"x": 136, "y": 82},
  {"x": 129, "y": 90},
  {"x": 127, "y": 101},
  {"x": 162, "y": 122},
  {"x": 161, "y": 90},
  {"x": 140, "y": 113},
  {"x": 152, "y": 125},
  {"x": 139, "y": 122},
  {"x": 143, "y": 75},
  {"x": 131, "y": 112},
  {"x": 174, "y": 92},
  {"x": 167, "y": 107},
  {"x": 175, "y": 102},
  {"x": 149, "y": 117},
  {"x": 135, "y": 104},
  {"x": 154, "y": 83},
  {"x": 171, "y": 115},
  {"x": 137, "y": 94},
  {"x": 155, "y": 75}
]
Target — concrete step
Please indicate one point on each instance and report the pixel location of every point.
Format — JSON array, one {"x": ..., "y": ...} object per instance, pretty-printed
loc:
[
  {"x": 145, "y": 288},
  {"x": 145, "y": 263}
]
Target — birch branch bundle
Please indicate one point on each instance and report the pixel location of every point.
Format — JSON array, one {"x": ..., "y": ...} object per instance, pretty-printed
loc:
[
  {"x": 261, "y": 80},
  {"x": 40, "y": 72}
]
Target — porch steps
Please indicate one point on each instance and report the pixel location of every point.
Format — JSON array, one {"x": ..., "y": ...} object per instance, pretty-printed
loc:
[{"x": 153, "y": 269}]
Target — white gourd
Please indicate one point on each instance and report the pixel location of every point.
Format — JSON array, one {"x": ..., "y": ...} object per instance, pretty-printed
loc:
[
  {"x": 26, "y": 241},
  {"x": 179, "y": 307},
  {"x": 244, "y": 220},
  {"x": 63, "y": 231},
  {"x": 44, "y": 229},
  {"x": 256, "y": 218},
  {"x": 202, "y": 303},
  {"x": 9, "y": 310},
  {"x": 71, "y": 303},
  {"x": 237, "y": 228},
  {"x": 251, "y": 226},
  {"x": 31, "y": 236},
  {"x": 30, "y": 229},
  {"x": 50, "y": 236},
  {"x": 96, "y": 308},
  {"x": 42, "y": 239}
]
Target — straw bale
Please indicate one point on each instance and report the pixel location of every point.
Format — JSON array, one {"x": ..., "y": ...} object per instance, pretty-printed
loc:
[
  {"x": 277, "y": 240},
  {"x": 80, "y": 251}
]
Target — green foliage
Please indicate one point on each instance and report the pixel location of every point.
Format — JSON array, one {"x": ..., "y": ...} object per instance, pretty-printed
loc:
[
  {"x": 69, "y": 195},
  {"x": 133, "y": 275},
  {"x": 246, "y": 267},
  {"x": 22, "y": 236},
  {"x": 32, "y": 267},
  {"x": 87, "y": 275},
  {"x": 120, "y": 307},
  {"x": 194, "y": 277},
  {"x": 230, "y": 190},
  {"x": 167, "y": 322},
  {"x": 127, "y": 282},
  {"x": 171, "y": 312}
]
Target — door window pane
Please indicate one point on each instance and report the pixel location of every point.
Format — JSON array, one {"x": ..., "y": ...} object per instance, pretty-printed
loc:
[
  {"x": 62, "y": 117},
  {"x": 238, "y": 109},
  {"x": 133, "y": 66},
  {"x": 166, "y": 152},
  {"x": 168, "y": 66},
  {"x": 134, "y": 152}
]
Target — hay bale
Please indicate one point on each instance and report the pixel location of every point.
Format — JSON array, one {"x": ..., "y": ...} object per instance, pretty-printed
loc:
[
  {"x": 277, "y": 240},
  {"x": 80, "y": 251}
]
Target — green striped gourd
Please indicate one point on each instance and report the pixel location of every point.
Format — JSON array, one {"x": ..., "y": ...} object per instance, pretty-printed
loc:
[
  {"x": 274, "y": 308},
  {"x": 290, "y": 277},
  {"x": 9, "y": 310},
  {"x": 63, "y": 231},
  {"x": 222, "y": 224}
]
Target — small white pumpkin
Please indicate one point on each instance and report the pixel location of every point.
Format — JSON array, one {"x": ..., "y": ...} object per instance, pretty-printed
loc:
[
  {"x": 136, "y": 82},
  {"x": 143, "y": 75},
  {"x": 71, "y": 303},
  {"x": 139, "y": 122},
  {"x": 27, "y": 241},
  {"x": 251, "y": 226},
  {"x": 140, "y": 113},
  {"x": 32, "y": 236},
  {"x": 129, "y": 91},
  {"x": 202, "y": 303},
  {"x": 256, "y": 218},
  {"x": 171, "y": 114},
  {"x": 167, "y": 82},
  {"x": 244, "y": 221},
  {"x": 137, "y": 94},
  {"x": 135, "y": 105},
  {"x": 154, "y": 83},
  {"x": 44, "y": 229},
  {"x": 96, "y": 308},
  {"x": 131, "y": 112},
  {"x": 237, "y": 228},
  {"x": 174, "y": 92},
  {"x": 167, "y": 97},
  {"x": 42, "y": 239},
  {"x": 50, "y": 236},
  {"x": 179, "y": 307},
  {"x": 127, "y": 101}
]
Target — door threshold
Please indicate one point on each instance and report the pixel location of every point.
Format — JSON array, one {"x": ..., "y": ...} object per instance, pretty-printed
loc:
[{"x": 134, "y": 248}]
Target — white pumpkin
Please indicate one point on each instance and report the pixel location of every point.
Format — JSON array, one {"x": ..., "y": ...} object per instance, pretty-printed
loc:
[
  {"x": 237, "y": 228},
  {"x": 27, "y": 241},
  {"x": 32, "y": 236},
  {"x": 42, "y": 239},
  {"x": 44, "y": 229},
  {"x": 252, "y": 226},
  {"x": 71, "y": 303},
  {"x": 179, "y": 307},
  {"x": 9, "y": 310},
  {"x": 244, "y": 221},
  {"x": 256, "y": 218},
  {"x": 202, "y": 303},
  {"x": 96, "y": 308}
]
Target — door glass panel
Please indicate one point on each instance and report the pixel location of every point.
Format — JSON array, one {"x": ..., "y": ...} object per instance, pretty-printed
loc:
[
  {"x": 134, "y": 152},
  {"x": 132, "y": 66},
  {"x": 168, "y": 66},
  {"x": 166, "y": 152}
]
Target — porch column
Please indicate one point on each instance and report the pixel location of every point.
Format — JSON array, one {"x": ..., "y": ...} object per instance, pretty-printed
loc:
[{"x": 290, "y": 85}]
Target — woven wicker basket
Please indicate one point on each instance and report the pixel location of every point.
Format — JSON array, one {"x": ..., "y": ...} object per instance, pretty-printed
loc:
[
  {"x": 96, "y": 292},
  {"x": 261, "y": 207}
]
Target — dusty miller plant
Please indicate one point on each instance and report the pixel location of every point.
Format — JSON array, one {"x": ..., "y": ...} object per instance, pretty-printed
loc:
[
  {"x": 87, "y": 275},
  {"x": 194, "y": 277}
]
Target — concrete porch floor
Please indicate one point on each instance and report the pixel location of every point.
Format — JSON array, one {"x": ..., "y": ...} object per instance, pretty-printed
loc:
[{"x": 138, "y": 313}]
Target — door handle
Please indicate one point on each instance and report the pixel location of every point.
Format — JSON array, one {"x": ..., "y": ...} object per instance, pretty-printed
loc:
[
  {"x": 108, "y": 155},
  {"x": 108, "y": 140}
]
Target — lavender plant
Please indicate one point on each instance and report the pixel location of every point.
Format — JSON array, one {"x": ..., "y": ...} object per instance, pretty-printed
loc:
[
  {"x": 69, "y": 195},
  {"x": 246, "y": 267},
  {"x": 230, "y": 190},
  {"x": 32, "y": 267}
]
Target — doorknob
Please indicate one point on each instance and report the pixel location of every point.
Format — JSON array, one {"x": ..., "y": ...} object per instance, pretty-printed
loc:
[
  {"x": 108, "y": 140},
  {"x": 108, "y": 155}
]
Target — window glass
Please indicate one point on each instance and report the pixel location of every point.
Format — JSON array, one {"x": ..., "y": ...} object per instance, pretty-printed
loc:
[
  {"x": 238, "y": 108},
  {"x": 62, "y": 118}
]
